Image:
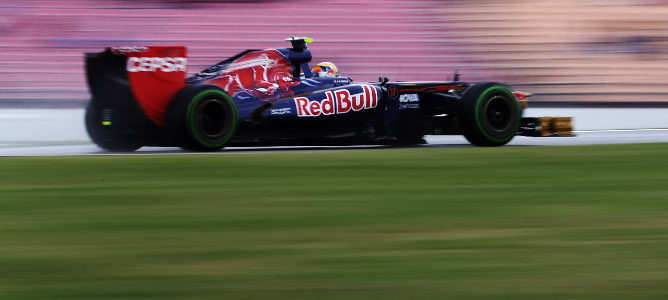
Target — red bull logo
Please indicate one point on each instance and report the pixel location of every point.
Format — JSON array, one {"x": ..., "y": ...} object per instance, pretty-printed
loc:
[{"x": 338, "y": 102}]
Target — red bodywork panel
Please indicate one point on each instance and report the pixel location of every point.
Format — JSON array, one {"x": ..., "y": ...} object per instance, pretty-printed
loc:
[{"x": 155, "y": 75}]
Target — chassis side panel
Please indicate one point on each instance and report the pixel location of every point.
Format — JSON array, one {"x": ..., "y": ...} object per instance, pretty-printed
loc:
[{"x": 417, "y": 108}]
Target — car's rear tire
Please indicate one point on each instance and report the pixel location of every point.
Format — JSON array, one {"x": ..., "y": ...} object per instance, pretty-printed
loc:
[
  {"x": 490, "y": 114},
  {"x": 103, "y": 134},
  {"x": 202, "y": 118}
]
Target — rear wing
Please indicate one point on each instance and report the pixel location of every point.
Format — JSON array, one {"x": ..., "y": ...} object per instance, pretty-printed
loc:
[{"x": 147, "y": 76}]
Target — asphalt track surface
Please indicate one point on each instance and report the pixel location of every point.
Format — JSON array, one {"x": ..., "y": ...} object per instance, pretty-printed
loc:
[
  {"x": 35, "y": 132},
  {"x": 579, "y": 138}
]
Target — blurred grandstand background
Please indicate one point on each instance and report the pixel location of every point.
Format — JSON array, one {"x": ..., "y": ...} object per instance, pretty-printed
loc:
[{"x": 567, "y": 50}]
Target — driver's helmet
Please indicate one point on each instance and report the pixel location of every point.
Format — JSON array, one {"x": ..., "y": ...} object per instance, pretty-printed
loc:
[{"x": 325, "y": 69}]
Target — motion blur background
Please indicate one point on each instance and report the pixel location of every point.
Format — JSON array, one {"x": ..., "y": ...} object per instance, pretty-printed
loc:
[
  {"x": 582, "y": 222},
  {"x": 570, "y": 50}
]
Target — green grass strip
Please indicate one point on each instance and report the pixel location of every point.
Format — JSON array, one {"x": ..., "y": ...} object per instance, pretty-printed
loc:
[{"x": 581, "y": 222}]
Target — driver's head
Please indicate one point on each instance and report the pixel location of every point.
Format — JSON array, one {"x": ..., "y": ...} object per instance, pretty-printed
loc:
[{"x": 325, "y": 69}]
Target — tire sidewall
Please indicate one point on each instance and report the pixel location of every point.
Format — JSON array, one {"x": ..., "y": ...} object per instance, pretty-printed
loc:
[
  {"x": 105, "y": 138},
  {"x": 182, "y": 117},
  {"x": 479, "y": 111},
  {"x": 473, "y": 110},
  {"x": 230, "y": 118}
]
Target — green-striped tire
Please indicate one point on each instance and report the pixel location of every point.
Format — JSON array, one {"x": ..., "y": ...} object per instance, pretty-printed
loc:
[
  {"x": 202, "y": 118},
  {"x": 490, "y": 114}
]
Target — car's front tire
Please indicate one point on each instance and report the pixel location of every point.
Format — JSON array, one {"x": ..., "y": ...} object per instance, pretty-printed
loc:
[
  {"x": 202, "y": 118},
  {"x": 490, "y": 114}
]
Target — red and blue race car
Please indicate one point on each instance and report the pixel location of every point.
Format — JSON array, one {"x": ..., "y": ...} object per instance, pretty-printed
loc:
[{"x": 141, "y": 96}]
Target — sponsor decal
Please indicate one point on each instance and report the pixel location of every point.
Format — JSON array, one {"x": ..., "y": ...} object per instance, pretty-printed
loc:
[
  {"x": 408, "y": 98},
  {"x": 409, "y": 106},
  {"x": 409, "y": 101},
  {"x": 280, "y": 111},
  {"x": 393, "y": 91},
  {"x": 152, "y": 64},
  {"x": 337, "y": 102},
  {"x": 128, "y": 49}
]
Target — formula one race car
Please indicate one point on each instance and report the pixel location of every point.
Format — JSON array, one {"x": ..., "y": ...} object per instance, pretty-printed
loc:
[{"x": 141, "y": 97}]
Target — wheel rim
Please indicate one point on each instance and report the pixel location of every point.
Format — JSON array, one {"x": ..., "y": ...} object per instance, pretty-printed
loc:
[
  {"x": 210, "y": 118},
  {"x": 498, "y": 114}
]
